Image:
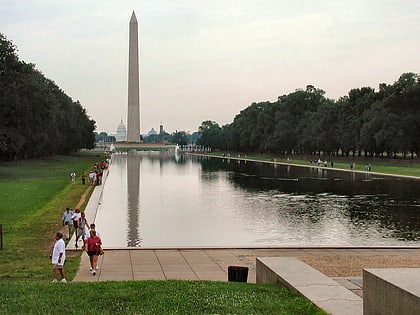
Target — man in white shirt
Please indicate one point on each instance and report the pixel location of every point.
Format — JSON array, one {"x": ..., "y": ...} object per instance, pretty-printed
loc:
[
  {"x": 67, "y": 222},
  {"x": 58, "y": 257}
]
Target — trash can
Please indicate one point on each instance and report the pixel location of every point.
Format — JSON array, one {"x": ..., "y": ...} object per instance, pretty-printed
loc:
[{"x": 237, "y": 274}]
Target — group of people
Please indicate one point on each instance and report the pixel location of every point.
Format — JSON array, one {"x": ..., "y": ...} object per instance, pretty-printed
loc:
[
  {"x": 92, "y": 242},
  {"x": 95, "y": 176},
  {"x": 319, "y": 162}
]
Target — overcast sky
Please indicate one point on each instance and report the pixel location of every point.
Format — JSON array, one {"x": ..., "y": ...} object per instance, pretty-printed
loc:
[{"x": 209, "y": 59}]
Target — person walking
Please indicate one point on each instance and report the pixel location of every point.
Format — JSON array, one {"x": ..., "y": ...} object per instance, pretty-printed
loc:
[
  {"x": 93, "y": 227},
  {"x": 73, "y": 177},
  {"x": 58, "y": 257},
  {"x": 75, "y": 218},
  {"x": 92, "y": 246},
  {"x": 67, "y": 222},
  {"x": 81, "y": 229}
]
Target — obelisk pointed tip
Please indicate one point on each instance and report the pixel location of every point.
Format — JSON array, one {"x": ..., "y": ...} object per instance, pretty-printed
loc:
[{"x": 133, "y": 18}]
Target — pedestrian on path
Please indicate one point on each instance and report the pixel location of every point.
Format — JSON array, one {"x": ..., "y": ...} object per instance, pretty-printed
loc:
[
  {"x": 81, "y": 229},
  {"x": 58, "y": 257},
  {"x": 67, "y": 222},
  {"x": 75, "y": 218},
  {"x": 93, "y": 227},
  {"x": 93, "y": 245},
  {"x": 73, "y": 177}
]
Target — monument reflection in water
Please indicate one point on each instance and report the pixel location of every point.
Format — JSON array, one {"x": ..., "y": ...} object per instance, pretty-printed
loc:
[{"x": 155, "y": 200}]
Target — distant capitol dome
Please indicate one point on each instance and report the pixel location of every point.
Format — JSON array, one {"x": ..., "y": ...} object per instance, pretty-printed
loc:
[
  {"x": 121, "y": 134},
  {"x": 152, "y": 132}
]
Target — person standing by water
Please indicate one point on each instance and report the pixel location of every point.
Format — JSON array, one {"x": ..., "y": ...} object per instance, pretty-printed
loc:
[
  {"x": 92, "y": 246},
  {"x": 58, "y": 257},
  {"x": 67, "y": 222}
]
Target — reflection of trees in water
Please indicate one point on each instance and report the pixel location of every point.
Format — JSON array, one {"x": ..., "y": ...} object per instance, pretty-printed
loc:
[
  {"x": 390, "y": 203},
  {"x": 399, "y": 217}
]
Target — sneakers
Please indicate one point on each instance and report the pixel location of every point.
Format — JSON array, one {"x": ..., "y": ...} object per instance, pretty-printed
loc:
[
  {"x": 97, "y": 267},
  {"x": 90, "y": 269},
  {"x": 62, "y": 281}
]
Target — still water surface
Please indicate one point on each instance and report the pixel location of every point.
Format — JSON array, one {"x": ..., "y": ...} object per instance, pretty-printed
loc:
[{"x": 155, "y": 200}]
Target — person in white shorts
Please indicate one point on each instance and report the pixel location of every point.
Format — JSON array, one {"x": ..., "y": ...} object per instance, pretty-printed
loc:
[{"x": 58, "y": 257}]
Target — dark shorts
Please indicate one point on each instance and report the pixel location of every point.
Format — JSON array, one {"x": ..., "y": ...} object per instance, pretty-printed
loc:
[{"x": 92, "y": 253}]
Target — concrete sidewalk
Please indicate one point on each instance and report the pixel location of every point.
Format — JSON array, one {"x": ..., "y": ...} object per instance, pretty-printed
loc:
[{"x": 205, "y": 264}]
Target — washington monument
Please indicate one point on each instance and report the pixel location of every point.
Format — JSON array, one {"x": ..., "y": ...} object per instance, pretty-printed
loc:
[{"x": 133, "y": 119}]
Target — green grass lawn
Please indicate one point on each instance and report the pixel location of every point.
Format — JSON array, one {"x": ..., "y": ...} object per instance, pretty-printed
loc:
[
  {"x": 150, "y": 297},
  {"x": 386, "y": 166},
  {"x": 33, "y": 197}
]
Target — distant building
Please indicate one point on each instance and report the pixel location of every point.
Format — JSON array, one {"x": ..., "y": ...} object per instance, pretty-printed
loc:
[
  {"x": 152, "y": 132},
  {"x": 121, "y": 134}
]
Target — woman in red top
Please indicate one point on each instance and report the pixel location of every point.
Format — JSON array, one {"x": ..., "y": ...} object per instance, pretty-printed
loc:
[{"x": 92, "y": 247}]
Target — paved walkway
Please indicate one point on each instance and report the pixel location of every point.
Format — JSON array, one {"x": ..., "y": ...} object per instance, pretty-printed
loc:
[{"x": 210, "y": 264}]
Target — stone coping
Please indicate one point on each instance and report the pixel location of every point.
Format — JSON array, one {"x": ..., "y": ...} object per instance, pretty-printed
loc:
[
  {"x": 321, "y": 290},
  {"x": 391, "y": 291}
]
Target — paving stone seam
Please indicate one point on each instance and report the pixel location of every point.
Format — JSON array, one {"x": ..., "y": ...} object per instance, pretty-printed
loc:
[
  {"x": 320, "y": 284},
  {"x": 131, "y": 264},
  {"x": 188, "y": 263},
  {"x": 245, "y": 260},
  {"x": 212, "y": 259},
  {"x": 160, "y": 265}
]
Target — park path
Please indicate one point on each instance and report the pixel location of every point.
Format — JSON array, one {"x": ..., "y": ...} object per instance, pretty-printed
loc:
[{"x": 83, "y": 197}]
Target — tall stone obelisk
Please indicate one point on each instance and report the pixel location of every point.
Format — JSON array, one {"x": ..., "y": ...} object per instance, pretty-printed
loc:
[{"x": 133, "y": 126}]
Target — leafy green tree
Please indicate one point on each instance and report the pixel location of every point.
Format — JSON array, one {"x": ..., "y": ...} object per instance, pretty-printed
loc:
[
  {"x": 210, "y": 134},
  {"x": 180, "y": 138},
  {"x": 37, "y": 117}
]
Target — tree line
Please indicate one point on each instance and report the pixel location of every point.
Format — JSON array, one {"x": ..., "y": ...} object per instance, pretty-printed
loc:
[
  {"x": 37, "y": 117},
  {"x": 364, "y": 122}
]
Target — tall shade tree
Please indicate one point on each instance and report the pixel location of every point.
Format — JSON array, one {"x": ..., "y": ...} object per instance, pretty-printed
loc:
[{"x": 37, "y": 117}]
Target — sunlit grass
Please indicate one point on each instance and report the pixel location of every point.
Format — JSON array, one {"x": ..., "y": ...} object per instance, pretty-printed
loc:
[
  {"x": 151, "y": 297},
  {"x": 34, "y": 194}
]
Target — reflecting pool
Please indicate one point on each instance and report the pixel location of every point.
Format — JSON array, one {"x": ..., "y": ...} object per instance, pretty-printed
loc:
[{"x": 157, "y": 200}]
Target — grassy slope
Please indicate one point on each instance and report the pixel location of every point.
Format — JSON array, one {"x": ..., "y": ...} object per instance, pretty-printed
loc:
[{"x": 33, "y": 195}]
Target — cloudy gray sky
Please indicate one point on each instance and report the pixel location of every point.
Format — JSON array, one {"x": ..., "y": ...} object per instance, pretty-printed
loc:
[{"x": 209, "y": 59}]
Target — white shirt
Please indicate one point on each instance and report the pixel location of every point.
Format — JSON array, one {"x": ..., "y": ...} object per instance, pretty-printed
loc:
[
  {"x": 59, "y": 247},
  {"x": 97, "y": 234},
  {"x": 76, "y": 216}
]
